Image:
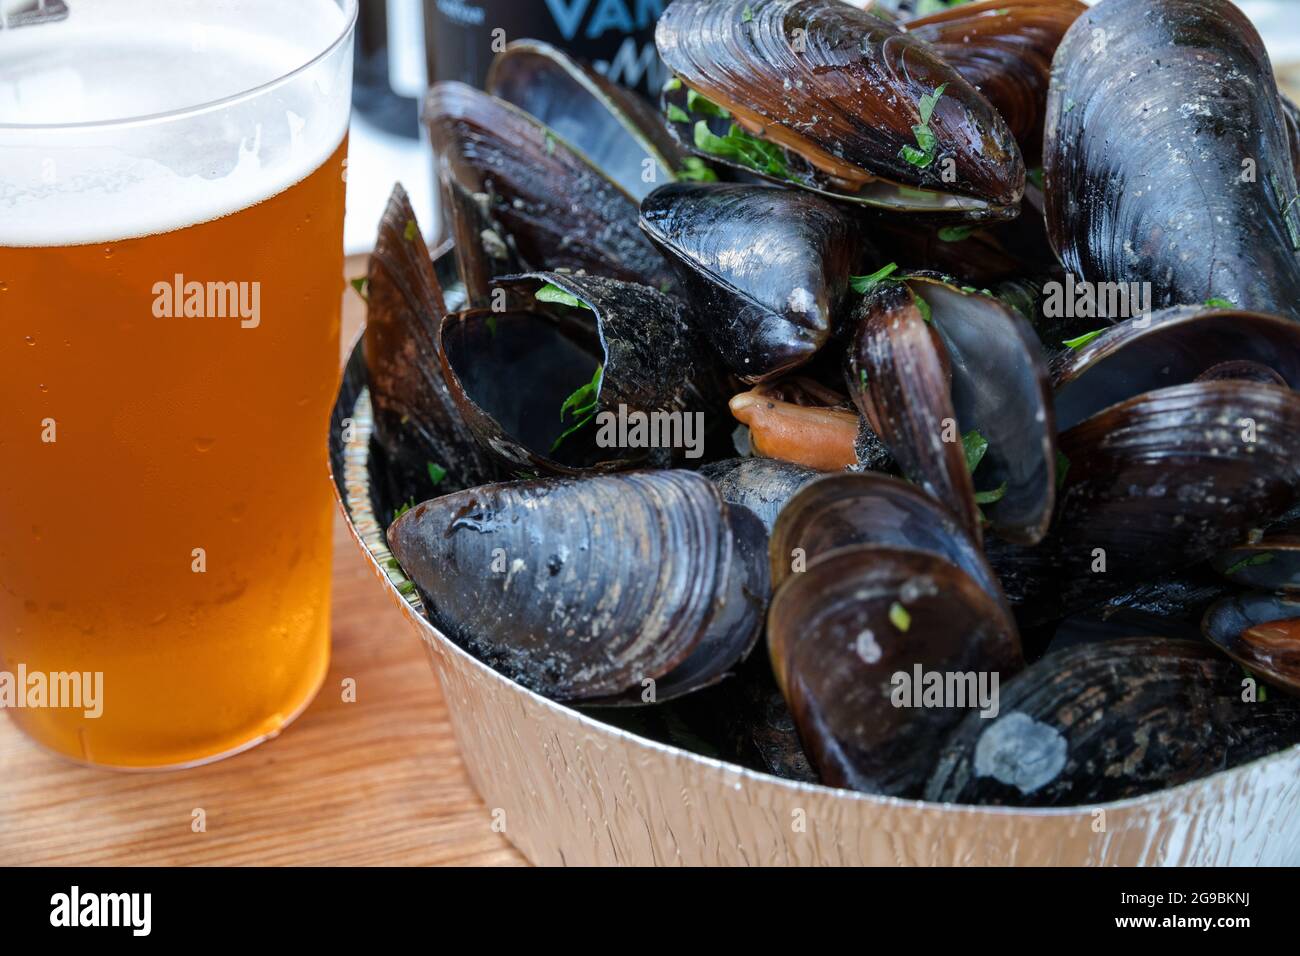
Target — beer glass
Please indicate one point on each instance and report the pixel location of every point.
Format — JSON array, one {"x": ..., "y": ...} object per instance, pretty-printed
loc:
[{"x": 171, "y": 268}]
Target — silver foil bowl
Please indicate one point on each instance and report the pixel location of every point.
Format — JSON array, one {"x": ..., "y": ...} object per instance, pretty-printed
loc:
[{"x": 568, "y": 789}]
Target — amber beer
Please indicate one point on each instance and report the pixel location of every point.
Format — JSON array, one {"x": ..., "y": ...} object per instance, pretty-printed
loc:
[{"x": 169, "y": 338}]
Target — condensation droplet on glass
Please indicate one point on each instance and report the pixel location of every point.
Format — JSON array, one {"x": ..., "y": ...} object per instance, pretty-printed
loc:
[{"x": 204, "y": 444}]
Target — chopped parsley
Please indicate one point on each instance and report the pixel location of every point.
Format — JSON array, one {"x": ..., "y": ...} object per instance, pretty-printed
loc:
[
  {"x": 696, "y": 170},
  {"x": 899, "y": 617},
  {"x": 1086, "y": 339},
  {"x": 1216, "y": 303},
  {"x": 744, "y": 149},
  {"x": 362, "y": 286},
  {"x": 1253, "y": 561},
  {"x": 922, "y": 154},
  {"x": 436, "y": 473},
  {"x": 864, "y": 284},
  {"x": 557, "y": 296},
  {"x": 411, "y": 230},
  {"x": 580, "y": 406}
]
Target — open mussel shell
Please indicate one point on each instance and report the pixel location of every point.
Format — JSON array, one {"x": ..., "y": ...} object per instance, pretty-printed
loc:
[
  {"x": 1167, "y": 156},
  {"x": 974, "y": 366},
  {"x": 1262, "y": 633},
  {"x": 417, "y": 423},
  {"x": 1107, "y": 721},
  {"x": 1169, "y": 478},
  {"x": 857, "y": 508},
  {"x": 797, "y": 420},
  {"x": 631, "y": 588},
  {"x": 850, "y": 637},
  {"x": 766, "y": 268},
  {"x": 836, "y": 94},
  {"x": 515, "y": 187},
  {"x": 763, "y": 485},
  {"x": 1172, "y": 347},
  {"x": 610, "y": 125},
  {"x": 512, "y": 374},
  {"x": 1270, "y": 564},
  {"x": 1005, "y": 50}
]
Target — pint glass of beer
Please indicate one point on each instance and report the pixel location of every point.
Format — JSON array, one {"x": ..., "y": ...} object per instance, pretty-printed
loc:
[{"x": 171, "y": 219}]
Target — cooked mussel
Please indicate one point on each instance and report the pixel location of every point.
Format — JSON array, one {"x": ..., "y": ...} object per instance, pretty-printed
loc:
[
  {"x": 857, "y": 508},
  {"x": 518, "y": 194},
  {"x": 1167, "y": 157},
  {"x": 1004, "y": 49},
  {"x": 1174, "y": 347},
  {"x": 766, "y": 269},
  {"x": 950, "y": 378},
  {"x": 856, "y": 638},
  {"x": 1168, "y": 479},
  {"x": 838, "y": 100},
  {"x": 763, "y": 485},
  {"x": 620, "y": 133},
  {"x": 628, "y": 588},
  {"x": 1107, "y": 721},
  {"x": 799, "y": 420},
  {"x": 417, "y": 424},
  {"x": 544, "y": 383},
  {"x": 1261, "y": 632}
]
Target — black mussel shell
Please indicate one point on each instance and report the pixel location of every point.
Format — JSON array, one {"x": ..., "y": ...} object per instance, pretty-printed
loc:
[
  {"x": 525, "y": 182},
  {"x": 613, "y": 127},
  {"x": 995, "y": 387},
  {"x": 835, "y": 94},
  {"x": 631, "y": 348},
  {"x": 1173, "y": 347},
  {"x": 1262, "y": 633},
  {"x": 847, "y": 638},
  {"x": 763, "y": 485},
  {"x": 1109, "y": 721},
  {"x": 1167, "y": 156},
  {"x": 630, "y": 588},
  {"x": 765, "y": 268},
  {"x": 1004, "y": 50},
  {"x": 1163, "y": 481},
  {"x": 839, "y": 511},
  {"x": 417, "y": 424},
  {"x": 1270, "y": 564}
]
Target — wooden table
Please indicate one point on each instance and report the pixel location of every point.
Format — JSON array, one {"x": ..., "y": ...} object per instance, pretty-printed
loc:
[{"x": 378, "y": 781}]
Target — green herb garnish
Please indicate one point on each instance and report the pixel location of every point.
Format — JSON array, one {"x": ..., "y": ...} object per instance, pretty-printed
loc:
[
  {"x": 955, "y": 233},
  {"x": 1215, "y": 303},
  {"x": 975, "y": 446},
  {"x": 747, "y": 15},
  {"x": 899, "y": 617},
  {"x": 580, "y": 406},
  {"x": 703, "y": 106},
  {"x": 1036, "y": 176},
  {"x": 1084, "y": 339},
  {"x": 436, "y": 473},
  {"x": 362, "y": 286},
  {"x": 403, "y": 509},
  {"x": 921, "y": 305},
  {"x": 554, "y": 294},
  {"x": 742, "y": 148},
  {"x": 922, "y": 154},
  {"x": 406, "y": 587},
  {"x": 1062, "y": 469},
  {"x": 864, "y": 284},
  {"x": 696, "y": 170},
  {"x": 1264, "y": 557},
  {"x": 991, "y": 497},
  {"x": 411, "y": 230},
  {"x": 677, "y": 115}
]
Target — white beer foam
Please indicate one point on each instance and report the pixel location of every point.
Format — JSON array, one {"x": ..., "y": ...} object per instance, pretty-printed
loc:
[{"x": 116, "y": 59}]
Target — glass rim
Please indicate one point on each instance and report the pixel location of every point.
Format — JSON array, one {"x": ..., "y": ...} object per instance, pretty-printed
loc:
[{"x": 350, "y": 8}]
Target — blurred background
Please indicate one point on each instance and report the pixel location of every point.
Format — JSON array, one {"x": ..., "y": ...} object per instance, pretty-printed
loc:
[{"x": 402, "y": 44}]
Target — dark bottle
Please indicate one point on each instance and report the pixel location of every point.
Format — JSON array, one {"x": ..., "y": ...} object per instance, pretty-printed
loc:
[{"x": 614, "y": 36}]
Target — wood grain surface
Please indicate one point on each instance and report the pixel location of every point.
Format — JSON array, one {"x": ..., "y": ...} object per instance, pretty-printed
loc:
[{"x": 378, "y": 781}]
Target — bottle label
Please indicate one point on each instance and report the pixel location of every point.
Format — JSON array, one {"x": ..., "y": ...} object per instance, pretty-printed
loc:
[{"x": 615, "y": 36}]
